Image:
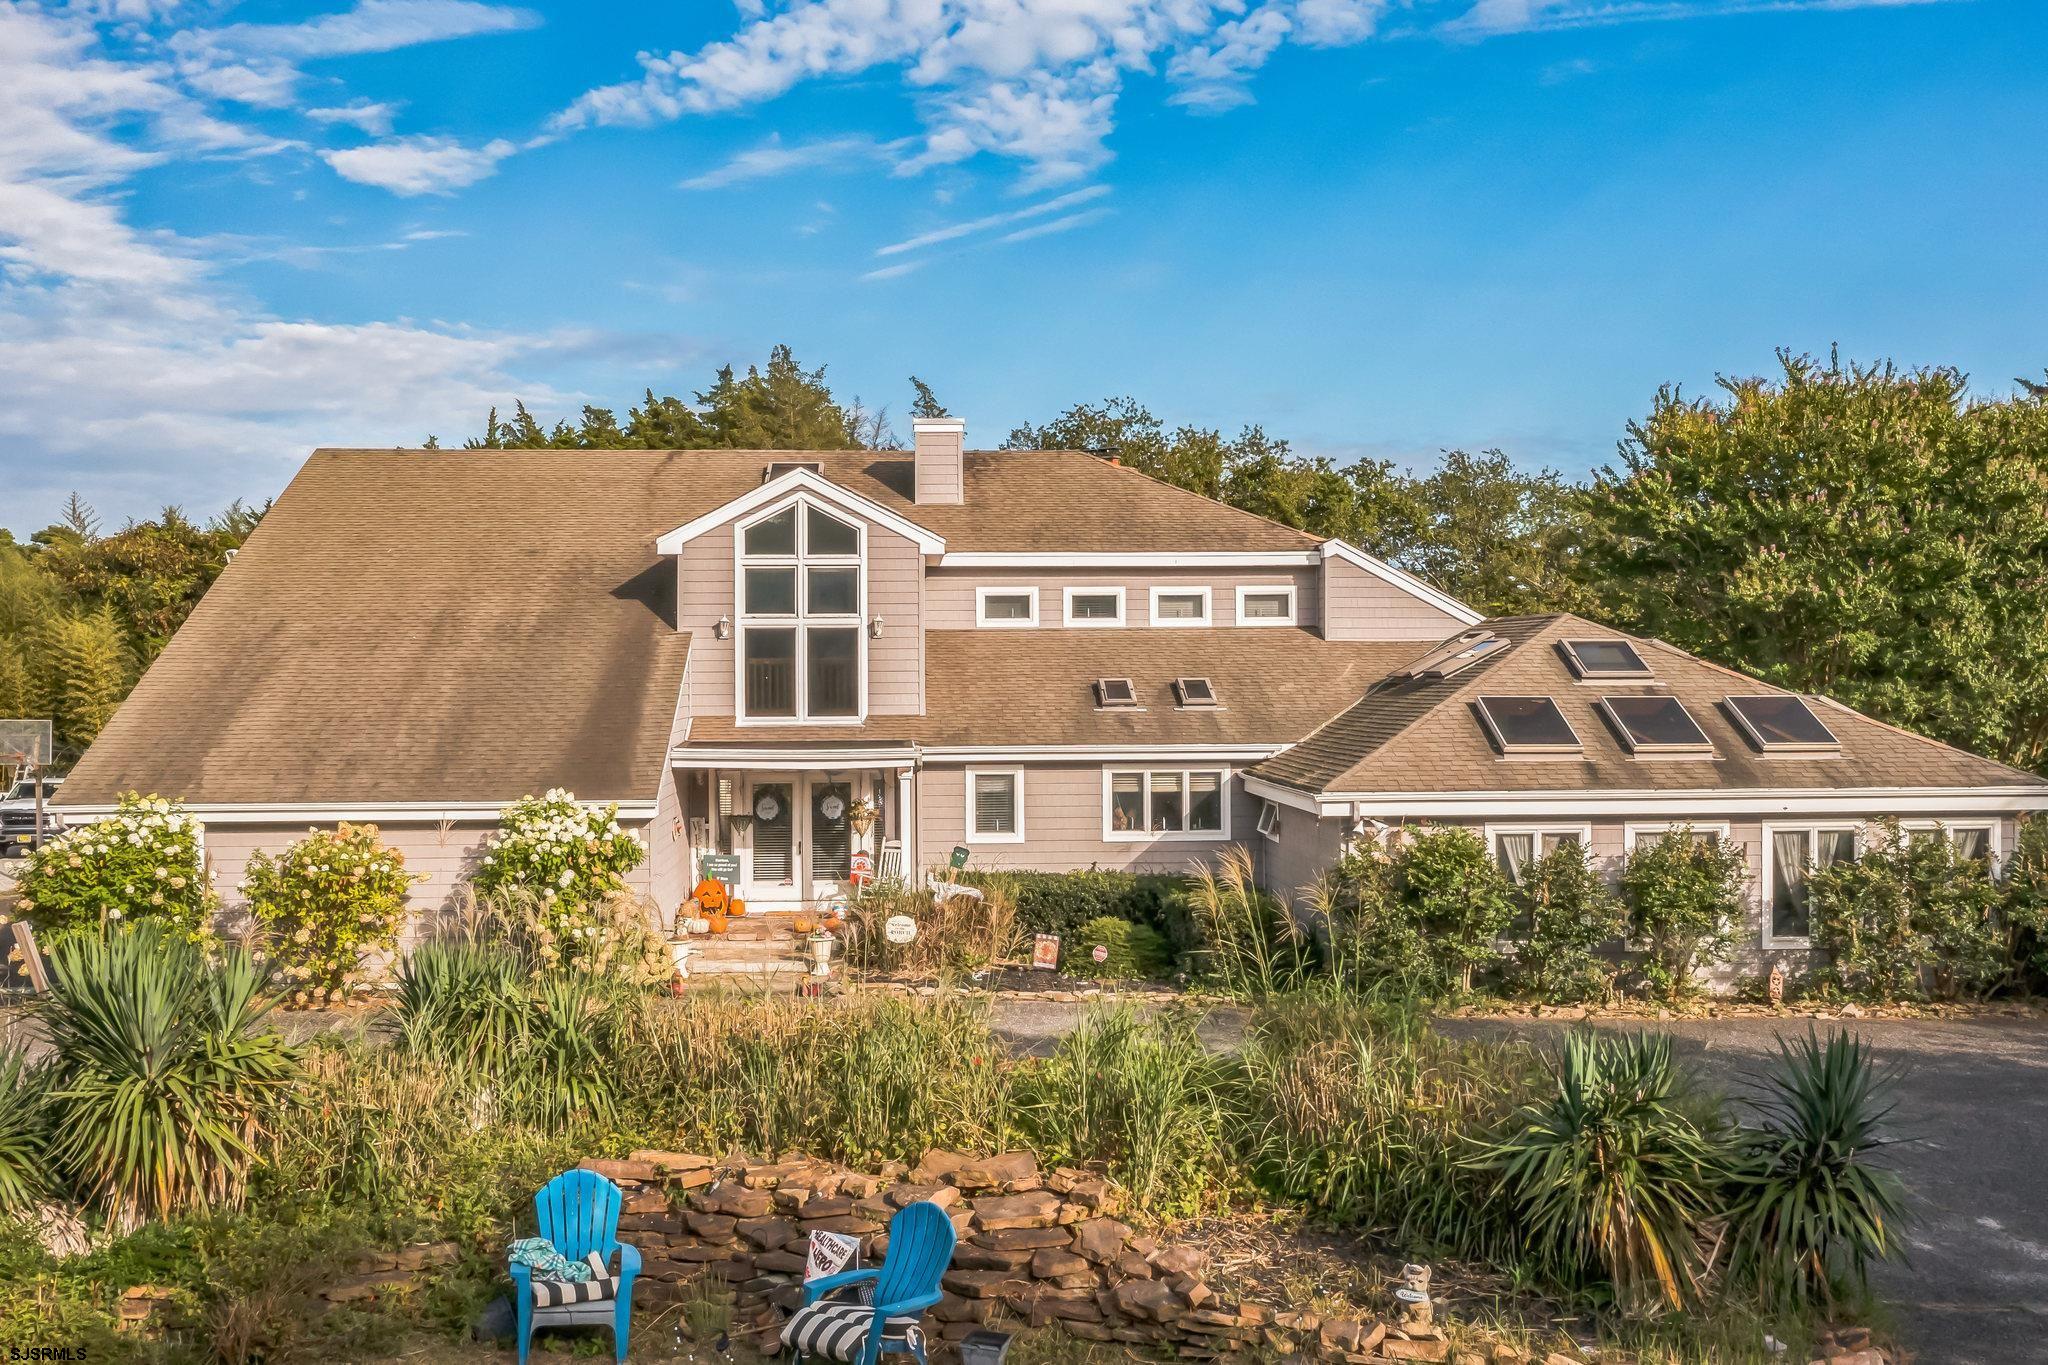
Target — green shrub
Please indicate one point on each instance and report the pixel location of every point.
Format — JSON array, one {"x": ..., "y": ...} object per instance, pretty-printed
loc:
[
  {"x": 617, "y": 937},
  {"x": 1570, "y": 916},
  {"x": 1910, "y": 915},
  {"x": 1140, "y": 1096},
  {"x": 1460, "y": 901},
  {"x": 24, "y": 1133},
  {"x": 572, "y": 858},
  {"x": 1363, "y": 1113},
  {"x": 1686, "y": 904},
  {"x": 324, "y": 904},
  {"x": 1809, "y": 1212},
  {"x": 1136, "y": 951},
  {"x": 1366, "y": 933},
  {"x": 2026, "y": 901},
  {"x": 162, "y": 1082},
  {"x": 1063, "y": 902},
  {"x": 1244, "y": 941},
  {"x": 1613, "y": 1172},
  {"x": 141, "y": 862}
]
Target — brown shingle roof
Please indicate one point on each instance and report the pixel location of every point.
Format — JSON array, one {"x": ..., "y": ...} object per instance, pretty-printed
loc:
[
  {"x": 474, "y": 625},
  {"x": 1033, "y": 687},
  {"x": 1425, "y": 738}
]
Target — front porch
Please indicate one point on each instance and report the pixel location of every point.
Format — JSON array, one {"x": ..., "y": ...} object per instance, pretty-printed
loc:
[{"x": 787, "y": 828}]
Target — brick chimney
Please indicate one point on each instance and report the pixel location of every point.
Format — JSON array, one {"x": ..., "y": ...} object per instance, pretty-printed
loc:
[{"x": 939, "y": 445}]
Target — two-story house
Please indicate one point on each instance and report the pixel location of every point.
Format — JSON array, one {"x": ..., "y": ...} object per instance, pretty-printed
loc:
[{"x": 1050, "y": 659}]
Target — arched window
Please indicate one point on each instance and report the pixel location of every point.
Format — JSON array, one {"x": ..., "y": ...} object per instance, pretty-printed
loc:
[{"x": 801, "y": 601}]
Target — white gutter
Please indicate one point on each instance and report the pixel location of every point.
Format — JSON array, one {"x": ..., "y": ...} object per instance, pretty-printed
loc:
[
  {"x": 330, "y": 812},
  {"x": 1761, "y": 801},
  {"x": 1057, "y": 559}
]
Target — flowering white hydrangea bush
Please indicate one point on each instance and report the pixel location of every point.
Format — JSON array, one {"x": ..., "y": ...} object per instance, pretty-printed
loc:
[
  {"x": 141, "y": 862},
  {"x": 570, "y": 859},
  {"x": 325, "y": 904}
]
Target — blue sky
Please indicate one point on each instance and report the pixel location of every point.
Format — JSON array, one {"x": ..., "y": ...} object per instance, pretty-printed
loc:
[{"x": 230, "y": 232}]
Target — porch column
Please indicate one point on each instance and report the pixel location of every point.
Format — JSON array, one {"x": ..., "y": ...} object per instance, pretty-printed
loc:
[{"x": 906, "y": 819}]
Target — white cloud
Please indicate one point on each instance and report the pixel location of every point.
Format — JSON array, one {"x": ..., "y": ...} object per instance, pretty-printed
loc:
[
  {"x": 366, "y": 116},
  {"x": 775, "y": 157},
  {"x": 954, "y": 231},
  {"x": 1491, "y": 18},
  {"x": 418, "y": 165},
  {"x": 1066, "y": 224},
  {"x": 131, "y": 374},
  {"x": 258, "y": 64},
  {"x": 893, "y": 272},
  {"x": 1038, "y": 81}
]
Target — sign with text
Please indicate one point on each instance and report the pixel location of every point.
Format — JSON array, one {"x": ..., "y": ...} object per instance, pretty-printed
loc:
[
  {"x": 721, "y": 867},
  {"x": 831, "y": 1252}
]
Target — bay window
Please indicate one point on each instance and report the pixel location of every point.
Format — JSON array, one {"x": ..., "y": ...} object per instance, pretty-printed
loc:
[
  {"x": 801, "y": 646},
  {"x": 1165, "y": 804}
]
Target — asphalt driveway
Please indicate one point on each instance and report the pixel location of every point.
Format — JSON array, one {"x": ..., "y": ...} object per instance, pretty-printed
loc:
[
  {"x": 1973, "y": 1115},
  {"x": 1973, "y": 1108}
]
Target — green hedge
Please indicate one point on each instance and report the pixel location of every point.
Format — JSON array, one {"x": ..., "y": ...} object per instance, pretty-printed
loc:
[
  {"x": 1137, "y": 952},
  {"x": 1061, "y": 902}
]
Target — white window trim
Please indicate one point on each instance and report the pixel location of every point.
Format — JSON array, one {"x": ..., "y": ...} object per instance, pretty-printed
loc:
[
  {"x": 1112, "y": 835},
  {"x": 1631, "y": 832},
  {"x": 1201, "y": 590},
  {"x": 1493, "y": 833},
  {"x": 802, "y": 562},
  {"x": 981, "y": 617},
  {"x": 1767, "y": 876},
  {"x": 1245, "y": 590},
  {"x": 1067, "y": 596},
  {"x": 1268, "y": 823},
  {"x": 970, "y": 835},
  {"x": 1944, "y": 824}
]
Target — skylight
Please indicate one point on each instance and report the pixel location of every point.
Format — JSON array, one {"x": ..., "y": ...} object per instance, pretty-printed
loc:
[
  {"x": 1194, "y": 692},
  {"x": 1781, "y": 724},
  {"x": 1604, "y": 659},
  {"x": 1655, "y": 725},
  {"x": 1114, "y": 692},
  {"x": 1454, "y": 656},
  {"x": 1527, "y": 725}
]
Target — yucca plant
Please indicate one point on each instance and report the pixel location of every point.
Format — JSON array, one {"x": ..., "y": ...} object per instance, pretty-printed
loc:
[
  {"x": 1615, "y": 1172},
  {"x": 565, "y": 1061},
  {"x": 1810, "y": 1210},
  {"x": 163, "y": 1082},
  {"x": 461, "y": 1003},
  {"x": 24, "y": 1133}
]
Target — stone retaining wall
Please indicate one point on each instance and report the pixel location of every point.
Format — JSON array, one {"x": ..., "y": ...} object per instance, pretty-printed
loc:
[{"x": 1036, "y": 1249}]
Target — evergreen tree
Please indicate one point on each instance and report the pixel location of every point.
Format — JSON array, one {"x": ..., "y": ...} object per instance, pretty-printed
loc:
[{"x": 925, "y": 404}]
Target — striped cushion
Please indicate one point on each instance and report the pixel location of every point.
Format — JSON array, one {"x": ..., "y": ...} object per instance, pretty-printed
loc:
[
  {"x": 837, "y": 1331},
  {"x": 600, "y": 1285}
]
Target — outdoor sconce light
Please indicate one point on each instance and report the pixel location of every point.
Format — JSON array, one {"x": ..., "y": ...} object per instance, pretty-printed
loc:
[
  {"x": 723, "y": 630},
  {"x": 874, "y": 628}
]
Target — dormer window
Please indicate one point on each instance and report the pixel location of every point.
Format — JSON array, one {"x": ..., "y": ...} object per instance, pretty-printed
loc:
[{"x": 802, "y": 652}]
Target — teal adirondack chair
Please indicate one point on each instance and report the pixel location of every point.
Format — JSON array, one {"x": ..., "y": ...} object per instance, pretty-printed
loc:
[
  {"x": 904, "y": 1285},
  {"x": 579, "y": 1212}
]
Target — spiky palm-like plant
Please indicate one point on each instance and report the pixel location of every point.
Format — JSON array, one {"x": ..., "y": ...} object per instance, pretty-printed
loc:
[
  {"x": 163, "y": 1082},
  {"x": 1811, "y": 1211},
  {"x": 1613, "y": 1172},
  {"x": 24, "y": 1133}
]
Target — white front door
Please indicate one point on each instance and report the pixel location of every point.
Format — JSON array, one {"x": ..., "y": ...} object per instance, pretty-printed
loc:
[
  {"x": 800, "y": 842},
  {"x": 775, "y": 842},
  {"x": 829, "y": 837}
]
